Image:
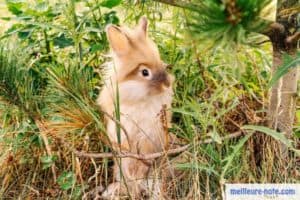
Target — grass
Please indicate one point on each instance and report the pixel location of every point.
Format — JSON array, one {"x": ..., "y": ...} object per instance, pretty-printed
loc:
[{"x": 47, "y": 108}]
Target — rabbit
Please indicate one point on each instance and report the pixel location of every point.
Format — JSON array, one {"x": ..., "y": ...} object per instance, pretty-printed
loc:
[{"x": 138, "y": 79}]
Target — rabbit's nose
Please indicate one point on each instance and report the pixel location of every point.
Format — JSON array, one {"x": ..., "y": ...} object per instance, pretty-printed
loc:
[{"x": 161, "y": 78}]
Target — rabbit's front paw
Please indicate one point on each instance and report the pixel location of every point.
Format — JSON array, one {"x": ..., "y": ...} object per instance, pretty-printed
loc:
[{"x": 112, "y": 191}]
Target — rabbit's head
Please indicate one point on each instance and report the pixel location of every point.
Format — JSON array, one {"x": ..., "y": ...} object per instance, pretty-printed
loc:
[{"x": 139, "y": 70}]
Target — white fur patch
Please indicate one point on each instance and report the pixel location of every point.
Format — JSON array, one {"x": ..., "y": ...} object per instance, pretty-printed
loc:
[{"x": 133, "y": 91}]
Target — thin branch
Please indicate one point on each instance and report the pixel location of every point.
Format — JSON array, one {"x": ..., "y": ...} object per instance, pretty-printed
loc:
[
  {"x": 293, "y": 38},
  {"x": 153, "y": 155}
]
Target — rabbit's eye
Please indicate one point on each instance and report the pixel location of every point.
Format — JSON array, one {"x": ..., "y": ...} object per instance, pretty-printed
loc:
[{"x": 145, "y": 72}]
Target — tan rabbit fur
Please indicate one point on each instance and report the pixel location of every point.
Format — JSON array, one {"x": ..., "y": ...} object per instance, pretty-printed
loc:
[{"x": 144, "y": 87}]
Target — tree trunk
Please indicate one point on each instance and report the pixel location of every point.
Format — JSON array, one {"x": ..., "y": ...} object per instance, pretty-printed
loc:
[{"x": 283, "y": 95}]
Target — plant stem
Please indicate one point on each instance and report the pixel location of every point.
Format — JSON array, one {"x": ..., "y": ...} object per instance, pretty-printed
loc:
[
  {"x": 47, "y": 44},
  {"x": 77, "y": 38}
]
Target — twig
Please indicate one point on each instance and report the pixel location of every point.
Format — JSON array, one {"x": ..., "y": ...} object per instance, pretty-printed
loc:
[
  {"x": 293, "y": 38},
  {"x": 32, "y": 189},
  {"x": 79, "y": 173},
  {"x": 153, "y": 155},
  {"x": 164, "y": 121}
]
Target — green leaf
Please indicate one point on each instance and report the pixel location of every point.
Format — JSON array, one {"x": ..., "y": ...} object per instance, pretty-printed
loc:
[
  {"x": 111, "y": 18},
  {"x": 298, "y": 117},
  {"x": 276, "y": 135},
  {"x": 36, "y": 140},
  {"x": 66, "y": 180},
  {"x": 110, "y": 3},
  {"x": 76, "y": 192},
  {"x": 229, "y": 159},
  {"x": 96, "y": 47},
  {"x": 14, "y": 28},
  {"x": 62, "y": 41},
  {"x": 24, "y": 34},
  {"x": 15, "y": 6},
  {"x": 6, "y": 18},
  {"x": 297, "y": 133},
  {"x": 117, "y": 114},
  {"x": 48, "y": 161},
  {"x": 288, "y": 62},
  {"x": 215, "y": 136}
]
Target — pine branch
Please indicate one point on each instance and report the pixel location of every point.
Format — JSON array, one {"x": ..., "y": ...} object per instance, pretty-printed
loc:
[{"x": 195, "y": 7}]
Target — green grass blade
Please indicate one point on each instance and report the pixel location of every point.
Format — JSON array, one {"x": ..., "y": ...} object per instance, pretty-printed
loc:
[
  {"x": 288, "y": 63},
  {"x": 276, "y": 135},
  {"x": 229, "y": 159}
]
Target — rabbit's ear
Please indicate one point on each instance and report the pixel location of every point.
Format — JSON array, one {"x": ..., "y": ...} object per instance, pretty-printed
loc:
[
  {"x": 143, "y": 25},
  {"x": 118, "y": 41}
]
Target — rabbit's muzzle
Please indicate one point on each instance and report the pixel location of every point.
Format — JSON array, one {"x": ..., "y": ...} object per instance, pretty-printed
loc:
[{"x": 160, "y": 79}]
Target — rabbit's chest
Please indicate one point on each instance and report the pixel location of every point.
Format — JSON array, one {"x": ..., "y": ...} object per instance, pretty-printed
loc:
[
  {"x": 140, "y": 121},
  {"x": 141, "y": 114}
]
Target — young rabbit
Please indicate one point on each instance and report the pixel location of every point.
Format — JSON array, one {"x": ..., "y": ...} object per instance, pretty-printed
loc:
[{"x": 138, "y": 79}]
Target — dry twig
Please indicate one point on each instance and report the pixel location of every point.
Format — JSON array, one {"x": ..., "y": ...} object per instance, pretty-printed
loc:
[
  {"x": 125, "y": 154},
  {"x": 293, "y": 38}
]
